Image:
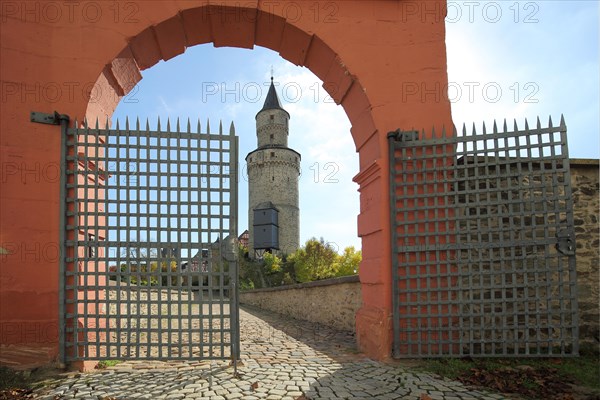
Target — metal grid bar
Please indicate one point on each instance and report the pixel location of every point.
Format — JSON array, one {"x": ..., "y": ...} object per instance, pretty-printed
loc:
[
  {"x": 483, "y": 243},
  {"x": 149, "y": 268}
]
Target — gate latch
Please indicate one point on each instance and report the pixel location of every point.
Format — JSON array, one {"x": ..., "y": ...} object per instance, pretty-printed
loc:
[{"x": 565, "y": 244}]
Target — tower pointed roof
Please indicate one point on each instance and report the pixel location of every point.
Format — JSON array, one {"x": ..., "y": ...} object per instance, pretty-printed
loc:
[{"x": 272, "y": 100}]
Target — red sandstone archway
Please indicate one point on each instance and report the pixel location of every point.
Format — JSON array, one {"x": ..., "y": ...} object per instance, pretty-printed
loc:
[{"x": 364, "y": 52}]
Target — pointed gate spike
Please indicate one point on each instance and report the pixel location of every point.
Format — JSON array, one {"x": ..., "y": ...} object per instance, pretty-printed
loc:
[
  {"x": 495, "y": 127},
  {"x": 117, "y": 127},
  {"x": 106, "y": 124},
  {"x": 189, "y": 126},
  {"x": 97, "y": 124},
  {"x": 516, "y": 128},
  {"x": 158, "y": 124},
  {"x": 85, "y": 122},
  {"x": 526, "y": 124},
  {"x": 168, "y": 124},
  {"x": 474, "y": 131},
  {"x": 464, "y": 129},
  {"x": 198, "y": 127},
  {"x": 484, "y": 130},
  {"x": 208, "y": 126},
  {"x": 550, "y": 121},
  {"x": 178, "y": 128},
  {"x": 137, "y": 123},
  {"x": 220, "y": 127},
  {"x": 147, "y": 124},
  {"x": 562, "y": 121},
  {"x": 232, "y": 129},
  {"x": 505, "y": 127},
  {"x": 538, "y": 123}
]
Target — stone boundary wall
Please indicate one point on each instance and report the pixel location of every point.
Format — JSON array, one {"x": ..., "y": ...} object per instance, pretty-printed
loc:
[
  {"x": 586, "y": 198},
  {"x": 332, "y": 302}
]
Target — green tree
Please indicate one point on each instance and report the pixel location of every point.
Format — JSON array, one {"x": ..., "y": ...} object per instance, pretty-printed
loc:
[
  {"x": 348, "y": 262},
  {"x": 316, "y": 260},
  {"x": 272, "y": 263}
]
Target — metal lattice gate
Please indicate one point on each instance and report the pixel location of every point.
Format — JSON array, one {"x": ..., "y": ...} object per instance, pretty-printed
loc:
[
  {"x": 483, "y": 243},
  {"x": 149, "y": 266}
]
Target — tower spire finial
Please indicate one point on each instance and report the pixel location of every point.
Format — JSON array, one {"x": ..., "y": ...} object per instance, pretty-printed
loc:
[{"x": 271, "y": 73}]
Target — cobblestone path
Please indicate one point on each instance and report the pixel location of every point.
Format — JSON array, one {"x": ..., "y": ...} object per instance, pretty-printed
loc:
[{"x": 281, "y": 359}]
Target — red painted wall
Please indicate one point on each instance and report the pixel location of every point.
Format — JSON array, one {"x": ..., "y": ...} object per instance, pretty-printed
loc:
[{"x": 384, "y": 61}]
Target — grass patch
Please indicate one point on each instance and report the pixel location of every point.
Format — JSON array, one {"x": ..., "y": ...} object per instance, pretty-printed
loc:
[
  {"x": 450, "y": 368},
  {"x": 107, "y": 363}
]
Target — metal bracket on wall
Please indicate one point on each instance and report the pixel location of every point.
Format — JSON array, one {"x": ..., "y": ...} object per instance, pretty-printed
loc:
[
  {"x": 403, "y": 136},
  {"x": 49, "y": 119}
]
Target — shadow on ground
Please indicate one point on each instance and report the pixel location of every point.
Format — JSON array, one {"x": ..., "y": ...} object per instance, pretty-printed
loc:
[{"x": 340, "y": 346}]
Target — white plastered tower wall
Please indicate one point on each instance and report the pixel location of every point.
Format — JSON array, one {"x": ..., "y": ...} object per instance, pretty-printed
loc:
[{"x": 273, "y": 172}]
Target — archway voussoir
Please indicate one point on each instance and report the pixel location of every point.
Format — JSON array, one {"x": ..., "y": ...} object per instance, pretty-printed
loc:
[
  {"x": 338, "y": 81},
  {"x": 170, "y": 37},
  {"x": 294, "y": 44},
  {"x": 232, "y": 26},
  {"x": 125, "y": 71},
  {"x": 145, "y": 49},
  {"x": 320, "y": 57},
  {"x": 269, "y": 30},
  {"x": 363, "y": 127},
  {"x": 103, "y": 104},
  {"x": 196, "y": 26},
  {"x": 355, "y": 102}
]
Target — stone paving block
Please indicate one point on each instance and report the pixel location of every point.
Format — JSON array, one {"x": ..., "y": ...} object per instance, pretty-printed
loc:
[
  {"x": 277, "y": 392},
  {"x": 277, "y": 368}
]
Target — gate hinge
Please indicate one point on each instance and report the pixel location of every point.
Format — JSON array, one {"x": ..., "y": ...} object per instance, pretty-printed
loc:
[
  {"x": 403, "y": 136},
  {"x": 44, "y": 118},
  {"x": 565, "y": 244}
]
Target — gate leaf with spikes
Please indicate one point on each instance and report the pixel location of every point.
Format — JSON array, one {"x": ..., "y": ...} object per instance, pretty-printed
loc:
[
  {"x": 149, "y": 251},
  {"x": 483, "y": 243}
]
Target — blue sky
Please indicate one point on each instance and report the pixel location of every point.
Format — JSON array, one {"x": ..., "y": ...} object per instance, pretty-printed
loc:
[{"x": 512, "y": 60}]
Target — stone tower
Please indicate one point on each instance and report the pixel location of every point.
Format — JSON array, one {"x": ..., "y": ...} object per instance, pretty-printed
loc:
[{"x": 273, "y": 171}]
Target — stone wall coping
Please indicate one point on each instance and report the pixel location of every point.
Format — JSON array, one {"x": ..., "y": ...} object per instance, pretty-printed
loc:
[
  {"x": 305, "y": 285},
  {"x": 584, "y": 161}
]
